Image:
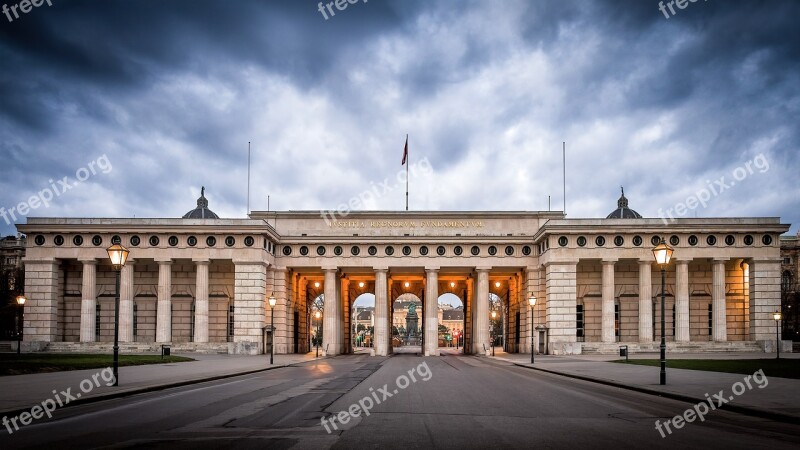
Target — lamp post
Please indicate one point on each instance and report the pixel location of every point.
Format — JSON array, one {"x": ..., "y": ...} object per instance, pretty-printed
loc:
[
  {"x": 494, "y": 316},
  {"x": 118, "y": 256},
  {"x": 532, "y": 302},
  {"x": 20, "y": 315},
  {"x": 272, "y": 301},
  {"x": 777, "y": 316},
  {"x": 317, "y": 315},
  {"x": 663, "y": 253}
]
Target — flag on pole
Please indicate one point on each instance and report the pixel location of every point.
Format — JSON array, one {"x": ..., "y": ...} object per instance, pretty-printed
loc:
[{"x": 405, "y": 153}]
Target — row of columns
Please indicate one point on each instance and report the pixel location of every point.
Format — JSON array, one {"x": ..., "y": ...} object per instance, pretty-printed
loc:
[
  {"x": 333, "y": 330},
  {"x": 719, "y": 321},
  {"x": 126, "y": 294}
]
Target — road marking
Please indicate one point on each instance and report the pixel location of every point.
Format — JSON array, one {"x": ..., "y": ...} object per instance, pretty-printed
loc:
[{"x": 250, "y": 408}]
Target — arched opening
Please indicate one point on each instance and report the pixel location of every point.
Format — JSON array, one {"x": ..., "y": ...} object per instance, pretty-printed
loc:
[
  {"x": 451, "y": 323},
  {"x": 362, "y": 322},
  {"x": 407, "y": 324},
  {"x": 497, "y": 321},
  {"x": 316, "y": 309}
]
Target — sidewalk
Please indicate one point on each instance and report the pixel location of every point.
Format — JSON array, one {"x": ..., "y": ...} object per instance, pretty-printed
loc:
[
  {"x": 21, "y": 392},
  {"x": 779, "y": 399}
]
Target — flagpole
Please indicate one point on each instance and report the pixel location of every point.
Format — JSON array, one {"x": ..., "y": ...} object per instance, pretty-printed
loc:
[
  {"x": 406, "y": 173},
  {"x": 248, "y": 178}
]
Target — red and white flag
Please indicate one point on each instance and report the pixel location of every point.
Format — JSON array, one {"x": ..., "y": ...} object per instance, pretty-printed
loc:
[{"x": 405, "y": 153}]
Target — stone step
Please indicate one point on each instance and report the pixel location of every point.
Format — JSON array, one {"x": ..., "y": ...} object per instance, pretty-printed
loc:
[
  {"x": 7, "y": 347},
  {"x": 598, "y": 348},
  {"x": 138, "y": 347}
]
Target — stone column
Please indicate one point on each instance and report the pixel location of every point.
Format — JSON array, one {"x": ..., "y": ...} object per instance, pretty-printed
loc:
[
  {"x": 126, "y": 302},
  {"x": 645, "y": 301},
  {"x": 331, "y": 314},
  {"x": 561, "y": 286},
  {"x": 40, "y": 314},
  {"x": 719, "y": 321},
  {"x": 249, "y": 297},
  {"x": 201, "y": 302},
  {"x": 88, "y": 300},
  {"x": 164, "y": 305},
  {"x": 381, "y": 316},
  {"x": 481, "y": 316},
  {"x": 282, "y": 317},
  {"x": 607, "y": 322},
  {"x": 682, "y": 300},
  {"x": 765, "y": 299},
  {"x": 432, "y": 312},
  {"x": 532, "y": 280}
]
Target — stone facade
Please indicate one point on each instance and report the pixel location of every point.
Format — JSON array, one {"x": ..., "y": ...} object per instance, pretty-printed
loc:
[{"x": 205, "y": 283}]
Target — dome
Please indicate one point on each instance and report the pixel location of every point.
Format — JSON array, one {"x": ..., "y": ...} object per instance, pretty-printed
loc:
[
  {"x": 622, "y": 211},
  {"x": 202, "y": 211}
]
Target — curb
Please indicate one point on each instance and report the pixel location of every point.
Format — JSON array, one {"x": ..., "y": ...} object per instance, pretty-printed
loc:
[
  {"x": 154, "y": 388},
  {"x": 746, "y": 410}
]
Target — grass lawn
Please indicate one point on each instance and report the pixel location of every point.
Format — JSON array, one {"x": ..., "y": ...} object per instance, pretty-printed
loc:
[
  {"x": 13, "y": 364},
  {"x": 785, "y": 368}
]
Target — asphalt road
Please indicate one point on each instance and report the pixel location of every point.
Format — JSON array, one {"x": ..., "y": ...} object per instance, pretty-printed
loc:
[{"x": 455, "y": 402}]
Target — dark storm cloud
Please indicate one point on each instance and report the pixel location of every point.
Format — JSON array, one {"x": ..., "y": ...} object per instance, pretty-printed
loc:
[{"x": 172, "y": 92}]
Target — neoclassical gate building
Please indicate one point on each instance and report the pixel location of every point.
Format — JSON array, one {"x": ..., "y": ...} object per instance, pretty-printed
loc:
[{"x": 202, "y": 283}]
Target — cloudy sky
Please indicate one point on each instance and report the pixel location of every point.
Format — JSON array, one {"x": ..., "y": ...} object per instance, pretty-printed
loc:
[{"x": 166, "y": 96}]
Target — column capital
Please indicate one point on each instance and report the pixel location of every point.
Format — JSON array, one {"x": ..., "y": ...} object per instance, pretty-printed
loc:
[
  {"x": 765, "y": 261},
  {"x": 432, "y": 269},
  {"x": 646, "y": 261},
  {"x": 164, "y": 262},
  {"x": 42, "y": 260},
  {"x": 201, "y": 262},
  {"x": 86, "y": 261},
  {"x": 720, "y": 259},
  {"x": 241, "y": 262},
  {"x": 609, "y": 261},
  {"x": 384, "y": 269},
  {"x": 483, "y": 269},
  {"x": 563, "y": 262},
  {"x": 328, "y": 269},
  {"x": 683, "y": 260}
]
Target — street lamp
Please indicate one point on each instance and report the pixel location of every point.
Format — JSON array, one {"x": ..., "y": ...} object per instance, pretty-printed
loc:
[
  {"x": 532, "y": 302},
  {"x": 272, "y": 301},
  {"x": 317, "y": 315},
  {"x": 118, "y": 256},
  {"x": 777, "y": 316},
  {"x": 663, "y": 253},
  {"x": 494, "y": 316},
  {"x": 20, "y": 313}
]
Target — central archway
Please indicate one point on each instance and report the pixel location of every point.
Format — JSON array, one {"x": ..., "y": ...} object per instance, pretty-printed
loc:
[{"x": 407, "y": 324}]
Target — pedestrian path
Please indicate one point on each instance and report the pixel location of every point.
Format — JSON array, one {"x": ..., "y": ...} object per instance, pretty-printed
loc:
[
  {"x": 779, "y": 398},
  {"x": 20, "y": 392}
]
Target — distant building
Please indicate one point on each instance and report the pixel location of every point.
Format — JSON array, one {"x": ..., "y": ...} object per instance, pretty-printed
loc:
[
  {"x": 790, "y": 286},
  {"x": 12, "y": 250}
]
